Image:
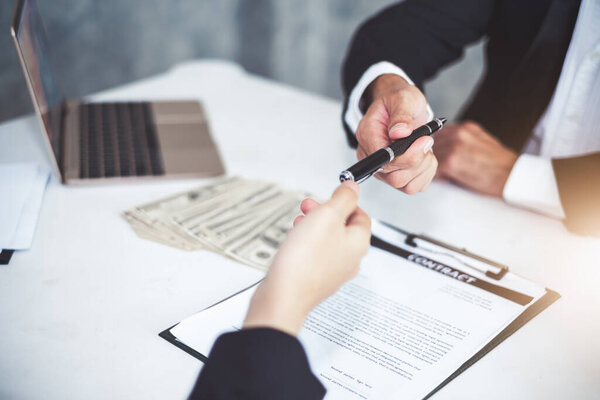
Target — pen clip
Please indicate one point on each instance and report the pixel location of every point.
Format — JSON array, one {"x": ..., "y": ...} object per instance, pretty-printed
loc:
[{"x": 364, "y": 178}]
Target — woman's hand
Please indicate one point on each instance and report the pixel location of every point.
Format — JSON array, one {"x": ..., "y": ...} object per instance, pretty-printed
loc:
[{"x": 322, "y": 252}]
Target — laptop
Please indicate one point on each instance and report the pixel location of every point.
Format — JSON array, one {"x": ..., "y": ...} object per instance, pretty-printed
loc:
[{"x": 92, "y": 142}]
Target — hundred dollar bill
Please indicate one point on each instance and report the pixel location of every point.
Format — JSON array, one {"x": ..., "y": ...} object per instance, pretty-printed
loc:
[
  {"x": 223, "y": 207},
  {"x": 154, "y": 210},
  {"x": 162, "y": 231},
  {"x": 259, "y": 248},
  {"x": 237, "y": 222},
  {"x": 144, "y": 233},
  {"x": 155, "y": 214},
  {"x": 245, "y": 220}
]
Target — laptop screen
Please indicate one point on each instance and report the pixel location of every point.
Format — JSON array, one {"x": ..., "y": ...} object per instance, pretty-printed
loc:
[{"x": 31, "y": 42}]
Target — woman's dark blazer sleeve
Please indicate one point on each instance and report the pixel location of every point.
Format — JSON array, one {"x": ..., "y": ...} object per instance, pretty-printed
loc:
[{"x": 254, "y": 364}]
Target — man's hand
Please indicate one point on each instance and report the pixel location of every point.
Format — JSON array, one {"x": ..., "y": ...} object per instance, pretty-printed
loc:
[
  {"x": 322, "y": 252},
  {"x": 471, "y": 157},
  {"x": 395, "y": 109}
]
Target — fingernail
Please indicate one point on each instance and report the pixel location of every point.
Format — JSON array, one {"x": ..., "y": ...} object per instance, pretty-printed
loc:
[
  {"x": 352, "y": 185},
  {"x": 399, "y": 130},
  {"x": 428, "y": 147}
]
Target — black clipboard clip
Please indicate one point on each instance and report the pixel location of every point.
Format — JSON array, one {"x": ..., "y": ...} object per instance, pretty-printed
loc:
[{"x": 411, "y": 240}]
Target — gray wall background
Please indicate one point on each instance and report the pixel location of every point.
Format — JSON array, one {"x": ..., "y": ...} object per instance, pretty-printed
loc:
[{"x": 97, "y": 44}]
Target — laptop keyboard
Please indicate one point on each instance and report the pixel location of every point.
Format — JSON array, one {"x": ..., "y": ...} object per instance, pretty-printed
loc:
[{"x": 118, "y": 139}]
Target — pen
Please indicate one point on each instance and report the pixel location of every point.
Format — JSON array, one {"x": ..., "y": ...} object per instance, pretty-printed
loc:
[{"x": 366, "y": 167}]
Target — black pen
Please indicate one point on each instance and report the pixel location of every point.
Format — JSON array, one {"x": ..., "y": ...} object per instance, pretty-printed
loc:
[{"x": 366, "y": 167}]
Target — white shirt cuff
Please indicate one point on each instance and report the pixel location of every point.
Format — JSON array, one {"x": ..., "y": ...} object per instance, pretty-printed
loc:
[
  {"x": 353, "y": 113},
  {"x": 532, "y": 185}
]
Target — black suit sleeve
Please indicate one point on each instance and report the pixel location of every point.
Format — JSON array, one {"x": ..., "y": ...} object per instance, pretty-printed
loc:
[
  {"x": 578, "y": 181},
  {"x": 257, "y": 364},
  {"x": 419, "y": 36}
]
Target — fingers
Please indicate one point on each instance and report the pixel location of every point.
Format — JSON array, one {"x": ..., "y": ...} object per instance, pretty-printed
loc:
[
  {"x": 359, "y": 231},
  {"x": 298, "y": 219},
  {"x": 477, "y": 130},
  {"x": 472, "y": 157},
  {"x": 360, "y": 153},
  {"x": 401, "y": 178},
  {"x": 344, "y": 199},
  {"x": 458, "y": 145},
  {"x": 359, "y": 220},
  {"x": 307, "y": 205},
  {"x": 421, "y": 182},
  {"x": 413, "y": 157},
  {"x": 393, "y": 116}
]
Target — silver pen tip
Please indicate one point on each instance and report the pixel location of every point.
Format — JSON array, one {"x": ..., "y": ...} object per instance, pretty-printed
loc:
[{"x": 443, "y": 120}]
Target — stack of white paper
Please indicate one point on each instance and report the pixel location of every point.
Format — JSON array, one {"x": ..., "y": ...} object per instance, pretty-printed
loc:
[
  {"x": 22, "y": 187},
  {"x": 398, "y": 330}
]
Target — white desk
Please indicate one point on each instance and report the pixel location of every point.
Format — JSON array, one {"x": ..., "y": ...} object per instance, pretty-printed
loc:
[{"x": 80, "y": 311}]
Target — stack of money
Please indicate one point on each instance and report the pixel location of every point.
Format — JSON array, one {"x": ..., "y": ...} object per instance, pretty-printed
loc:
[{"x": 243, "y": 219}]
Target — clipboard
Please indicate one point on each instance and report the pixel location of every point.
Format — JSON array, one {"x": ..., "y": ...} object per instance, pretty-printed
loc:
[
  {"x": 497, "y": 272},
  {"x": 527, "y": 315}
]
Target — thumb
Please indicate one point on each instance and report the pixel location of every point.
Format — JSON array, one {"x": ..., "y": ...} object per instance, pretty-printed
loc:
[
  {"x": 345, "y": 198},
  {"x": 403, "y": 115},
  {"x": 359, "y": 231},
  {"x": 360, "y": 221}
]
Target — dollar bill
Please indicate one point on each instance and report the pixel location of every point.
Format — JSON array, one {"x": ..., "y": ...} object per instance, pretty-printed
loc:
[
  {"x": 260, "y": 246},
  {"x": 237, "y": 222},
  {"x": 245, "y": 220},
  {"x": 153, "y": 211}
]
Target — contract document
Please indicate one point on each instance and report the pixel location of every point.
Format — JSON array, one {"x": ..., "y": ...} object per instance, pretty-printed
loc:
[{"x": 410, "y": 319}]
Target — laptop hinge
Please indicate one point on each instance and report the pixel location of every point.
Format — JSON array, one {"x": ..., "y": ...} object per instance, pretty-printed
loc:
[{"x": 69, "y": 162}]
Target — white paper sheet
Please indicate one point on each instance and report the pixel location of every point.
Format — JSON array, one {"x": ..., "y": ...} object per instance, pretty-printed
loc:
[
  {"x": 22, "y": 187},
  {"x": 395, "y": 331}
]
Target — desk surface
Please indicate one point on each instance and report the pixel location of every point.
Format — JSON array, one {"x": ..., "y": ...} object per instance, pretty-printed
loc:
[{"x": 80, "y": 311}]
